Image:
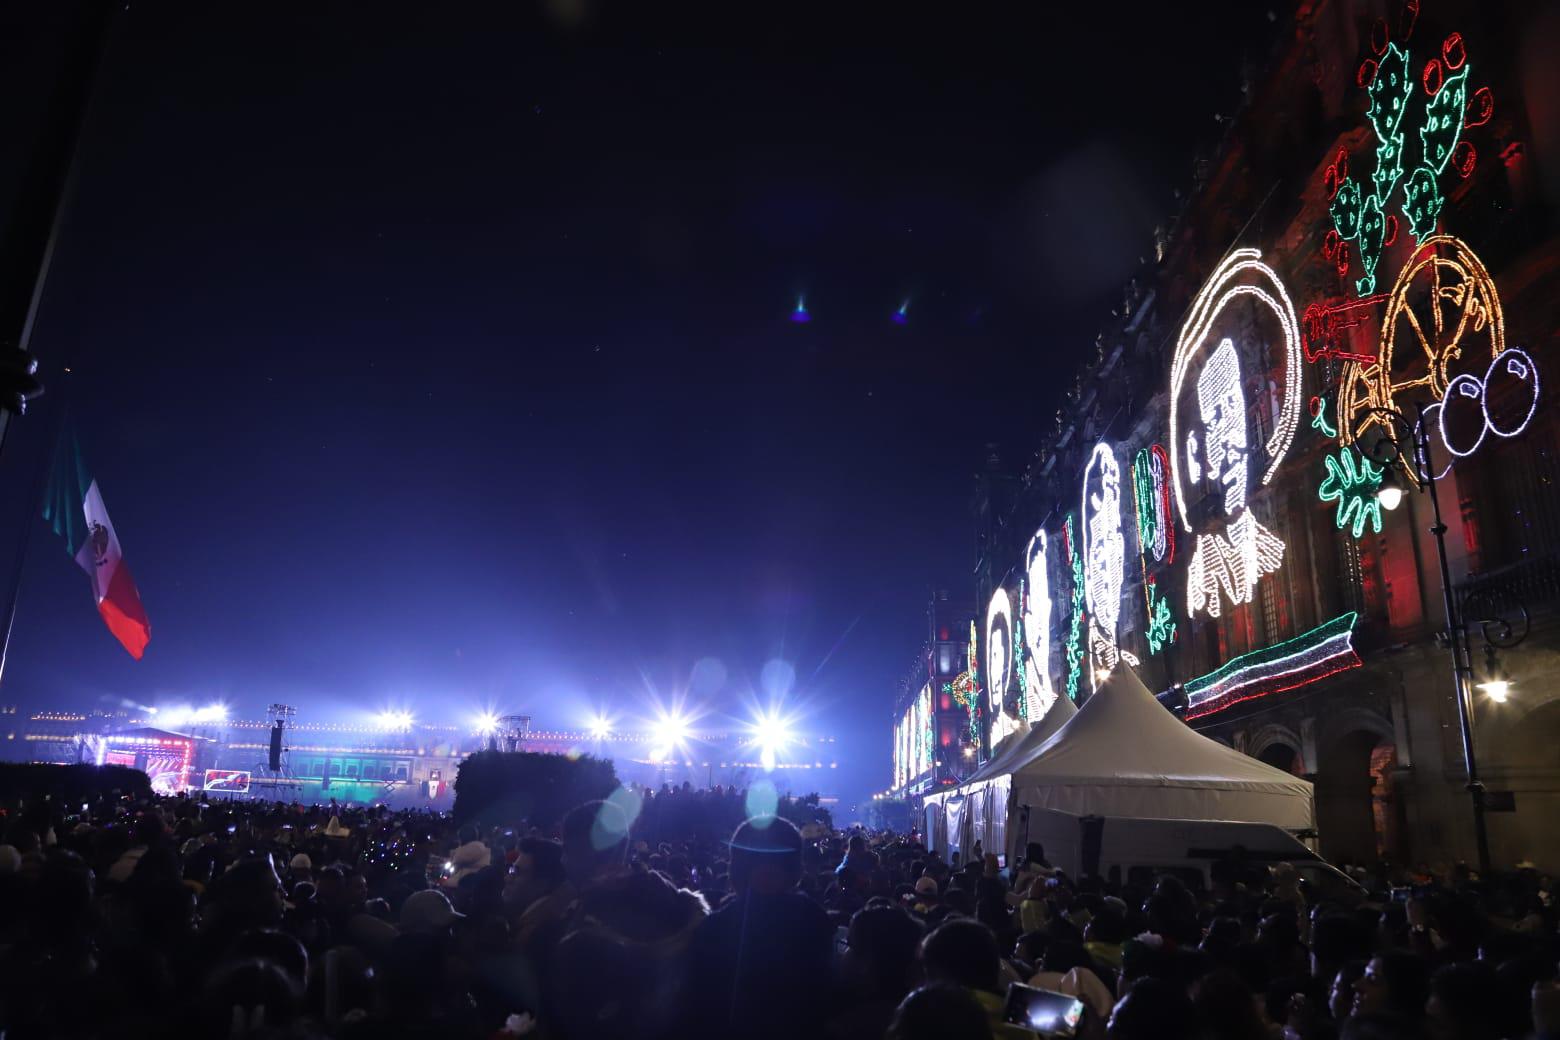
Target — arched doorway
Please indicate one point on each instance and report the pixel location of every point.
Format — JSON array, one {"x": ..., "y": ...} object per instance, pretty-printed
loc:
[
  {"x": 1281, "y": 756},
  {"x": 1355, "y": 811}
]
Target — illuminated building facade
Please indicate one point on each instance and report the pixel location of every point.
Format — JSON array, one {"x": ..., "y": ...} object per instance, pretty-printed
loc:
[
  {"x": 937, "y": 712},
  {"x": 1376, "y": 230}
]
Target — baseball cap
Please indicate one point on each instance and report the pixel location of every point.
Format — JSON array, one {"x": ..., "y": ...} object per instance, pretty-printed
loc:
[
  {"x": 427, "y": 911},
  {"x": 926, "y": 886}
]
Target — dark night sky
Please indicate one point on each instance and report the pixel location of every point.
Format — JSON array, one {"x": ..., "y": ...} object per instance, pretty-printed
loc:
[{"x": 441, "y": 356}]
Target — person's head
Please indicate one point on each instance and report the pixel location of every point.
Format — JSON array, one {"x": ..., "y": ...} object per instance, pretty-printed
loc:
[
  {"x": 595, "y": 840},
  {"x": 939, "y": 1011},
  {"x": 249, "y": 994},
  {"x": 963, "y": 952},
  {"x": 1226, "y": 1008},
  {"x": 428, "y": 913},
  {"x": 881, "y": 949},
  {"x": 1393, "y": 983},
  {"x": 1336, "y": 938},
  {"x": 1340, "y": 995},
  {"x": 466, "y": 834},
  {"x": 1152, "y": 1009},
  {"x": 1465, "y": 1003},
  {"x": 766, "y": 856},
  {"x": 279, "y": 948}
]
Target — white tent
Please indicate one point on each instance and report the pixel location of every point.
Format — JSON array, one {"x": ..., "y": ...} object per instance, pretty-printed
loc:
[
  {"x": 978, "y": 808},
  {"x": 1124, "y": 755}
]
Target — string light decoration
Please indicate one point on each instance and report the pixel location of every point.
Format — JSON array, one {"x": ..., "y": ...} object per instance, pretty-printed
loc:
[
  {"x": 1323, "y": 323},
  {"x": 1325, "y": 650},
  {"x": 1445, "y": 282},
  {"x": 1365, "y": 219},
  {"x": 1035, "y": 618},
  {"x": 1104, "y": 557},
  {"x": 1151, "y": 495},
  {"x": 926, "y": 729},
  {"x": 1076, "y": 615},
  {"x": 1319, "y": 418},
  {"x": 965, "y": 687},
  {"x": 1156, "y": 538},
  {"x": 1351, "y": 482},
  {"x": 999, "y": 665},
  {"x": 1231, "y": 561},
  {"x": 1229, "y": 282},
  {"x": 1161, "y": 620}
]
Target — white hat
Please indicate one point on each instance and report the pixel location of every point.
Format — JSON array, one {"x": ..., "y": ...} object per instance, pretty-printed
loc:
[
  {"x": 427, "y": 911},
  {"x": 300, "y": 861}
]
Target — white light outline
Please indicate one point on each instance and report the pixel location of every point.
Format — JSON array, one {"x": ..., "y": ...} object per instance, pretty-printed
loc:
[
  {"x": 1484, "y": 398},
  {"x": 998, "y": 725},
  {"x": 1104, "y": 651},
  {"x": 1233, "y": 564},
  {"x": 1040, "y": 694},
  {"x": 1467, "y": 380},
  {"x": 1205, "y": 308}
]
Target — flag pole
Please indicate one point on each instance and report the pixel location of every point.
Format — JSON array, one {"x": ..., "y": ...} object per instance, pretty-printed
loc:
[
  {"x": 30, "y": 521},
  {"x": 27, "y": 251}
]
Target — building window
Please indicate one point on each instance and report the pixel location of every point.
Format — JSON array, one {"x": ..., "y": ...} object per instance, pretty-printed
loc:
[{"x": 944, "y": 659}]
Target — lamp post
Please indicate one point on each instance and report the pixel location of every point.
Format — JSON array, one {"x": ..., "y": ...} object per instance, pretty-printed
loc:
[{"x": 1494, "y": 627}]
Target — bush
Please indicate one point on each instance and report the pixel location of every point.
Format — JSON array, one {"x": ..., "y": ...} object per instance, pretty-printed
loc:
[
  {"x": 72, "y": 784},
  {"x": 509, "y": 786}
]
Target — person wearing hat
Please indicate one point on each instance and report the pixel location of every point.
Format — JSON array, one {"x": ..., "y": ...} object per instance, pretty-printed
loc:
[
  {"x": 428, "y": 912},
  {"x": 753, "y": 964},
  {"x": 301, "y": 867},
  {"x": 926, "y": 895}
]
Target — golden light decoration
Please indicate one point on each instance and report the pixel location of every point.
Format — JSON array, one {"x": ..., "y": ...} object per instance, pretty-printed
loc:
[{"x": 1443, "y": 317}]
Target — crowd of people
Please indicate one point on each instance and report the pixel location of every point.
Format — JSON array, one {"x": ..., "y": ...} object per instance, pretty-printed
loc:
[{"x": 670, "y": 915}]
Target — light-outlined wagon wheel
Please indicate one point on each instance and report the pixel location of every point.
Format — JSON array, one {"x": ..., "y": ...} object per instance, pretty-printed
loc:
[{"x": 1443, "y": 316}]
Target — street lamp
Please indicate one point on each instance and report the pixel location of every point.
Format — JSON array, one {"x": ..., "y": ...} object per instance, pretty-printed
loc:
[{"x": 1481, "y": 608}]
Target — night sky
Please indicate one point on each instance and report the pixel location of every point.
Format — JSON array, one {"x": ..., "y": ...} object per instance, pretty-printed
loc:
[{"x": 440, "y": 357}]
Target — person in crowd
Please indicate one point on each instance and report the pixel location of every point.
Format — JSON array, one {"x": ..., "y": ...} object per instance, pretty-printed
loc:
[
  {"x": 170, "y": 916},
  {"x": 760, "y": 965}
]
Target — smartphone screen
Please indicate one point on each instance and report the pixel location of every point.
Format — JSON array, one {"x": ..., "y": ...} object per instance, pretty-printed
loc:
[{"x": 1048, "y": 1013}]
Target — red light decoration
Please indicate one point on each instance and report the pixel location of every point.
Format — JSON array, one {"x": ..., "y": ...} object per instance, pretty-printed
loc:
[
  {"x": 1464, "y": 159},
  {"x": 1366, "y": 74},
  {"x": 1480, "y": 108},
  {"x": 1322, "y": 322},
  {"x": 1407, "y": 17},
  {"x": 1343, "y": 257},
  {"x": 1433, "y": 77},
  {"x": 1453, "y": 52},
  {"x": 1512, "y": 154},
  {"x": 1392, "y": 230},
  {"x": 1380, "y": 35},
  {"x": 1330, "y": 243}
]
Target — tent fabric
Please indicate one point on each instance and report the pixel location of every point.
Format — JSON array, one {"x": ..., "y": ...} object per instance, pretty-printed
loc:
[
  {"x": 1021, "y": 747},
  {"x": 1124, "y": 755}
]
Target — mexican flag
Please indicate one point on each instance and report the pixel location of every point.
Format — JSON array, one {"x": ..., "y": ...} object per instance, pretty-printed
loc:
[{"x": 74, "y": 507}]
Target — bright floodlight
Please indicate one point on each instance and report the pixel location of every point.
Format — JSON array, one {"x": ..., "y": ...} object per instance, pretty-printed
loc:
[
  {"x": 771, "y": 734},
  {"x": 600, "y": 728},
  {"x": 210, "y": 713},
  {"x": 395, "y": 720},
  {"x": 669, "y": 730},
  {"x": 175, "y": 717},
  {"x": 487, "y": 723}
]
